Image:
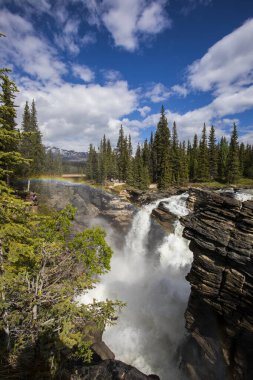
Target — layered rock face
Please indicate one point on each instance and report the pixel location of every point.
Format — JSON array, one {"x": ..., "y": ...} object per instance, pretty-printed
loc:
[
  {"x": 219, "y": 316},
  {"x": 90, "y": 202}
]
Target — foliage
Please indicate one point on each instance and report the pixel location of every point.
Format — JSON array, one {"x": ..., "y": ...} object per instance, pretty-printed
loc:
[
  {"x": 31, "y": 145},
  {"x": 43, "y": 271},
  {"x": 10, "y": 158}
]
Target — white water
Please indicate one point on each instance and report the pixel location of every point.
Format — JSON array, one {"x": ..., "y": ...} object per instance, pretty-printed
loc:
[
  {"x": 243, "y": 196},
  {"x": 153, "y": 285}
]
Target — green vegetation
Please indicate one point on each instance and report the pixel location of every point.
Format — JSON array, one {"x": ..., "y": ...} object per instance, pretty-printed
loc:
[
  {"x": 167, "y": 162},
  {"x": 43, "y": 266}
]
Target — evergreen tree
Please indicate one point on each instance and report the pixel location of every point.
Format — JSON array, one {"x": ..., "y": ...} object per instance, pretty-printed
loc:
[
  {"x": 162, "y": 153},
  {"x": 43, "y": 269},
  {"x": 92, "y": 164},
  {"x": 122, "y": 155},
  {"x": 248, "y": 161},
  {"x": 31, "y": 145},
  {"x": 212, "y": 147},
  {"x": 222, "y": 158},
  {"x": 242, "y": 157},
  {"x": 140, "y": 175},
  {"x": 203, "y": 165},
  {"x": 183, "y": 170},
  {"x": 10, "y": 158},
  {"x": 194, "y": 159},
  {"x": 233, "y": 164},
  {"x": 175, "y": 156},
  {"x": 153, "y": 164}
]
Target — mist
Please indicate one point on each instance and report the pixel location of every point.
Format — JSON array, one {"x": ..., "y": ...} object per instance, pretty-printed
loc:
[{"x": 150, "y": 278}]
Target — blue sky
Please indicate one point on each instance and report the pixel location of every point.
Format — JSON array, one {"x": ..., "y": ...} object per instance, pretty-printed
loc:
[{"x": 91, "y": 65}]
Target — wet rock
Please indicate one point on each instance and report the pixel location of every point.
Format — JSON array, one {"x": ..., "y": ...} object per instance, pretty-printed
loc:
[
  {"x": 219, "y": 316},
  {"x": 111, "y": 370},
  {"x": 90, "y": 202},
  {"x": 164, "y": 217}
]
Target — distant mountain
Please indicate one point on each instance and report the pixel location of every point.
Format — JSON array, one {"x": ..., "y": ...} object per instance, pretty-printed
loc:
[{"x": 68, "y": 155}]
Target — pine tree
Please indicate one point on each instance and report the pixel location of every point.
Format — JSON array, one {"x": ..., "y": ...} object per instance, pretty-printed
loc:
[
  {"x": 233, "y": 164},
  {"x": 39, "y": 150},
  {"x": 183, "y": 169},
  {"x": 31, "y": 145},
  {"x": 152, "y": 165},
  {"x": 222, "y": 158},
  {"x": 203, "y": 166},
  {"x": 212, "y": 149},
  {"x": 242, "y": 157},
  {"x": 193, "y": 153},
  {"x": 248, "y": 161},
  {"x": 162, "y": 153},
  {"x": 140, "y": 171},
  {"x": 175, "y": 156},
  {"x": 10, "y": 158},
  {"x": 122, "y": 155}
]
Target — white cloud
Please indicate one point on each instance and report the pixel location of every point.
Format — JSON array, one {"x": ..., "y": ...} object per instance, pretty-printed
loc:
[
  {"x": 73, "y": 116},
  {"x": 144, "y": 110},
  {"x": 111, "y": 75},
  {"x": 227, "y": 63},
  {"x": 158, "y": 93},
  {"x": 67, "y": 38},
  {"x": 129, "y": 20},
  {"x": 190, "y": 5},
  {"x": 180, "y": 90},
  {"x": 26, "y": 50},
  {"x": 83, "y": 72}
]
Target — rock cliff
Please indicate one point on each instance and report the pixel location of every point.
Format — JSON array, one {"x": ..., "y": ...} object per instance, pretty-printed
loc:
[
  {"x": 219, "y": 316},
  {"x": 90, "y": 202}
]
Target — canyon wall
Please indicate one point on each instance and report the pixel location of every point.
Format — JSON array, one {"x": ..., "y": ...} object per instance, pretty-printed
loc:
[{"x": 219, "y": 316}]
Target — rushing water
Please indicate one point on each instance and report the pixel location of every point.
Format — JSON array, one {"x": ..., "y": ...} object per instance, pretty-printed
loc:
[{"x": 153, "y": 285}]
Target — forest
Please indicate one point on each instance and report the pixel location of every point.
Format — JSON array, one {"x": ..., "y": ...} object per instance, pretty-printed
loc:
[{"x": 165, "y": 161}]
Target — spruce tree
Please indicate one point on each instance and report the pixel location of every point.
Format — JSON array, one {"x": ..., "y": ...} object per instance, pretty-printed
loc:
[
  {"x": 31, "y": 145},
  {"x": 10, "y": 158},
  {"x": 222, "y": 158},
  {"x": 122, "y": 155},
  {"x": 203, "y": 166},
  {"x": 233, "y": 164},
  {"x": 162, "y": 151},
  {"x": 175, "y": 156},
  {"x": 212, "y": 149}
]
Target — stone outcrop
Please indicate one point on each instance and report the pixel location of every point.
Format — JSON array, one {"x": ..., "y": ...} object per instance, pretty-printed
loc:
[
  {"x": 111, "y": 370},
  {"x": 164, "y": 217},
  {"x": 90, "y": 202},
  {"x": 219, "y": 316}
]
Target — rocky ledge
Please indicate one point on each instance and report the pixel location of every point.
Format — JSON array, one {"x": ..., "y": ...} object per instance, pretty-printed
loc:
[
  {"x": 90, "y": 202},
  {"x": 110, "y": 370},
  {"x": 219, "y": 316}
]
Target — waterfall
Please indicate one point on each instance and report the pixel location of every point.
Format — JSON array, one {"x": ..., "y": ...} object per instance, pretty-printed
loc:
[{"x": 153, "y": 285}]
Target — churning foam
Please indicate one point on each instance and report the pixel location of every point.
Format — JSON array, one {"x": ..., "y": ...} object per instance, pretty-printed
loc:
[{"x": 153, "y": 285}]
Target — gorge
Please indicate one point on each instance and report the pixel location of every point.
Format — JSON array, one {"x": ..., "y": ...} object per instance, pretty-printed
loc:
[{"x": 148, "y": 272}]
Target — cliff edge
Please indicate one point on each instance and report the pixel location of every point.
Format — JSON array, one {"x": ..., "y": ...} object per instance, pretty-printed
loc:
[{"x": 219, "y": 316}]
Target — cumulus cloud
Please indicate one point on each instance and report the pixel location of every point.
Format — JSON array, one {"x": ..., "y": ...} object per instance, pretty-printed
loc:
[
  {"x": 73, "y": 116},
  {"x": 158, "y": 93},
  {"x": 111, "y": 75},
  {"x": 27, "y": 51},
  {"x": 83, "y": 72},
  {"x": 129, "y": 20},
  {"x": 227, "y": 63},
  {"x": 144, "y": 110},
  {"x": 180, "y": 90}
]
